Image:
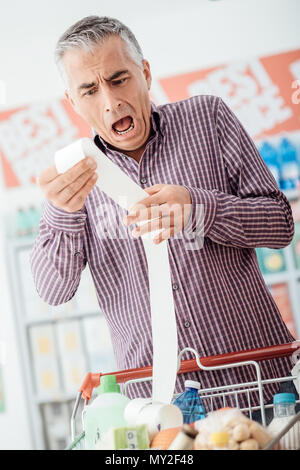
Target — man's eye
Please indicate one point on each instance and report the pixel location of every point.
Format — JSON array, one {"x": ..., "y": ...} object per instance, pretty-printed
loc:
[
  {"x": 119, "y": 82},
  {"x": 90, "y": 92}
]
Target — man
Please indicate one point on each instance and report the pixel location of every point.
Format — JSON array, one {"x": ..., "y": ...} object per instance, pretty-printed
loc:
[{"x": 193, "y": 153}]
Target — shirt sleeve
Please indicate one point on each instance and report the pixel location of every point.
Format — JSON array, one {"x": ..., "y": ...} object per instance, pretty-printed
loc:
[
  {"x": 58, "y": 257},
  {"x": 254, "y": 213}
]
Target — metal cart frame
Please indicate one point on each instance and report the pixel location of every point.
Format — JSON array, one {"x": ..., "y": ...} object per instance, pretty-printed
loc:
[{"x": 210, "y": 363}]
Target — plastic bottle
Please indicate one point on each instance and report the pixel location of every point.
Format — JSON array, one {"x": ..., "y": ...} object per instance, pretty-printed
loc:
[
  {"x": 106, "y": 411},
  {"x": 190, "y": 403},
  {"x": 289, "y": 173},
  {"x": 22, "y": 227},
  {"x": 271, "y": 159},
  {"x": 34, "y": 218},
  {"x": 284, "y": 410}
]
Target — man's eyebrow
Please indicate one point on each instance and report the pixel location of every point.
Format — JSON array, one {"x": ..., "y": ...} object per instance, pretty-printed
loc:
[
  {"x": 86, "y": 86},
  {"x": 116, "y": 75}
]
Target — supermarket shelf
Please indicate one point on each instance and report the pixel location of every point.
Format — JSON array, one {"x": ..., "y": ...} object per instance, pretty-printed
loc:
[
  {"x": 32, "y": 315},
  {"x": 63, "y": 398},
  {"x": 291, "y": 194},
  {"x": 57, "y": 319},
  {"x": 278, "y": 278}
]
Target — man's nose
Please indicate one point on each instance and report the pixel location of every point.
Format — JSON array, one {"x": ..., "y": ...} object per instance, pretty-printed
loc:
[{"x": 111, "y": 102}]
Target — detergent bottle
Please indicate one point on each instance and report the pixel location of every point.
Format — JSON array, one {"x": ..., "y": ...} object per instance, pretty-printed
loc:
[
  {"x": 271, "y": 158},
  {"x": 105, "y": 412},
  {"x": 289, "y": 174}
]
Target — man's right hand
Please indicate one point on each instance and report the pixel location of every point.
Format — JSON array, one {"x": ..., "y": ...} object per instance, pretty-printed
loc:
[{"x": 68, "y": 191}]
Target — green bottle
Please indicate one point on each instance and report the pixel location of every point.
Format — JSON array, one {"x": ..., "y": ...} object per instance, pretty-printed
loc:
[{"x": 105, "y": 412}]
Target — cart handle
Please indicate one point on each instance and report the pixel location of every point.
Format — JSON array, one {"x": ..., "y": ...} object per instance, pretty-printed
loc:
[{"x": 92, "y": 380}]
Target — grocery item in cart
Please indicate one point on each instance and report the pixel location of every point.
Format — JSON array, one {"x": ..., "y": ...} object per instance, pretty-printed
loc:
[
  {"x": 284, "y": 410},
  {"x": 127, "y": 438},
  {"x": 230, "y": 429},
  {"x": 190, "y": 403},
  {"x": 184, "y": 439},
  {"x": 163, "y": 439},
  {"x": 155, "y": 415},
  {"x": 106, "y": 412}
]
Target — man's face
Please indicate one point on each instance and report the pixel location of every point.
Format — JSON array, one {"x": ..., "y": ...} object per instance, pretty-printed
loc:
[{"x": 109, "y": 90}]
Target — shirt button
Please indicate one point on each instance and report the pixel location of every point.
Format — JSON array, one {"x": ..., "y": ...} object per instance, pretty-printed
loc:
[
  {"x": 187, "y": 324},
  {"x": 79, "y": 220},
  {"x": 77, "y": 253},
  {"x": 175, "y": 286},
  {"x": 144, "y": 180}
]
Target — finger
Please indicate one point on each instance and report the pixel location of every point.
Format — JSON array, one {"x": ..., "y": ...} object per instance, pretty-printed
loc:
[
  {"x": 144, "y": 213},
  {"x": 171, "y": 212},
  {"x": 73, "y": 173},
  {"x": 164, "y": 235},
  {"x": 150, "y": 226},
  {"x": 77, "y": 201},
  {"x": 165, "y": 218},
  {"x": 47, "y": 175},
  {"x": 154, "y": 189},
  {"x": 155, "y": 199},
  {"x": 66, "y": 179},
  {"x": 141, "y": 206},
  {"x": 69, "y": 191}
]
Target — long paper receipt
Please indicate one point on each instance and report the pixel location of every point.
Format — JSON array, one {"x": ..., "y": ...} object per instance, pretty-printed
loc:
[{"x": 125, "y": 192}]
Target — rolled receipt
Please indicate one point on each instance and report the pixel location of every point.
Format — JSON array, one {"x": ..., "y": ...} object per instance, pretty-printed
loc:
[
  {"x": 156, "y": 416},
  {"x": 125, "y": 192}
]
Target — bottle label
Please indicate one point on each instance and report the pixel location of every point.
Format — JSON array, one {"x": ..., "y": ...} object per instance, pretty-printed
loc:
[{"x": 132, "y": 441}]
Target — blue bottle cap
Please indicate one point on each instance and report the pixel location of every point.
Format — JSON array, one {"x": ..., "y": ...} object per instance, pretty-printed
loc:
[{"x": 284, "y": 398}]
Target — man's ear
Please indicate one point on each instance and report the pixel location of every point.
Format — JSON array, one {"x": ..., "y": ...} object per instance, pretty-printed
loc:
[
  {"x": 70, "y": 100},
  {"x": 147, "y": 73}
]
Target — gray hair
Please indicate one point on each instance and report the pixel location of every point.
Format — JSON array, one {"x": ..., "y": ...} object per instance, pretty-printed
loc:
[{"x": 92, "y": 30}]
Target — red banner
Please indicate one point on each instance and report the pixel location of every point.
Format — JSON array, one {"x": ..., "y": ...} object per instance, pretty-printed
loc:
[
  {"x": 29, "y": 137},
  {"x": 263, "y": 92}
]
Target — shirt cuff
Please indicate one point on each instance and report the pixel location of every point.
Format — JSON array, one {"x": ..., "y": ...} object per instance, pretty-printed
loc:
[
  {"x": 63, "y": 221},
  {"x": 203, "y": 212}
]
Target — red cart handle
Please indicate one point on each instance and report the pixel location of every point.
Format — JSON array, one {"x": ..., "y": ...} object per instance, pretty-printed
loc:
[{"x": 190, "y": 365}]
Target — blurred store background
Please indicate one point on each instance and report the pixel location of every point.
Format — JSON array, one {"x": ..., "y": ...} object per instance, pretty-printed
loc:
[{"x": 246, "y": 51}]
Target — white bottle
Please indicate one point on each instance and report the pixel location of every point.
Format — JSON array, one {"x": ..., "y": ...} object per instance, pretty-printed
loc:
[
  {"x": 284, "y": 410},
  {"x": 106, "y": 411}
]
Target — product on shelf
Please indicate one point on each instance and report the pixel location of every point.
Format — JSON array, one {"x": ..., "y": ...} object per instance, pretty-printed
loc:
[
  {"x": 26, "y": 221},
  {"x": 56, "y": 420},
  {"x": 271, "y": 261},
  {"x": 296, "y": 245},
  {"x": 271, "y": 158},
  {"x": 98, "y": 344},
  {"x": 280, "y": 294},
  {"x": 45, "y": 362},
  {"x": 289, "y": 169},
  {"x": 71, "y": 352}
]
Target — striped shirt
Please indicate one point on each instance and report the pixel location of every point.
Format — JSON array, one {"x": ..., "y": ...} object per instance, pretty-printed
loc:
[{"x": 221, "y": 301}]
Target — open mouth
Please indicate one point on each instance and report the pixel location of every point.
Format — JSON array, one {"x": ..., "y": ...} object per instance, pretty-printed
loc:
[{"x": 123, "y": 125}]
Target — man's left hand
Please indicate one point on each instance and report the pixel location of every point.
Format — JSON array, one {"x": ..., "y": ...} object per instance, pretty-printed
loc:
[{"x": 167, "y": 208}]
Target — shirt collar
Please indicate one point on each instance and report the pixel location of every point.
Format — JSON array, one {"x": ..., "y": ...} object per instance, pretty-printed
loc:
[{"x": 157, "y": 124}]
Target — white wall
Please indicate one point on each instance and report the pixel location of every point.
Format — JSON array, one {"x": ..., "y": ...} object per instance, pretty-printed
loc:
[{"x": 176, "y": 36}]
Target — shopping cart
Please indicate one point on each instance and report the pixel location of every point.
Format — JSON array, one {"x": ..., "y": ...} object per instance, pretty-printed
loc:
[{"x": 249, "y": 358}]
